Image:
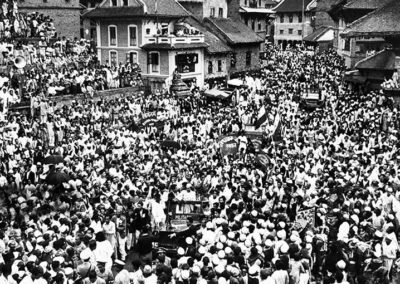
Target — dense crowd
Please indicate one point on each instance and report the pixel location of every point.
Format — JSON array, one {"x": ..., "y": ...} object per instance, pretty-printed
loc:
[
  {"x": 86, "y": 188},
  {"x": 36, "y": 64}
]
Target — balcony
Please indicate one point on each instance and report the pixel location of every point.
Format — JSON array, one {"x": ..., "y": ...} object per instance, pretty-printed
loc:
[{"x": 172, "y": 39}]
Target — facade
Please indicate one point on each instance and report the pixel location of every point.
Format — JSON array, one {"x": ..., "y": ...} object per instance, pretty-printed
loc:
[
  {"x": 206, "y": 8},
  {"x": 294, "y": 20},
  {"x": 151, "y": 34},
  {"x": 65, "y": 14},
  {"x": 381, "y": 23},
  {"x": 256, "y": 14},
  {"x": 244, "y": 43},
  {"x": 322, "y": 17},
  {"x": 344, "y": 13}
]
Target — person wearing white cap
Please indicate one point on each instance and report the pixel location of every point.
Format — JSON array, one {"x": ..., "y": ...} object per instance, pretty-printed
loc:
[
  {"x": 122, "y": 276},
  {"x": 84, "y": 268}
]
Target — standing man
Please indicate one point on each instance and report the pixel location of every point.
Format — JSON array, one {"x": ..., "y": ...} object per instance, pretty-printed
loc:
[{"x": 122, "y": 276}]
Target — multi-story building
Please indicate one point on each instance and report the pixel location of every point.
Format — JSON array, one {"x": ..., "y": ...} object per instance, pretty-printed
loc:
[
  {"x": 152, "y": 34},
  {"x": 294, "y": 20},
  {"x": 245, "y": 43},
  {"x": 206, "y": 8},
  {"x": 256, "y": 14},
  {"x": 232, "y": 46},
  {"x": 64, "y": 13},
  {"x": 346, "y": 12}
]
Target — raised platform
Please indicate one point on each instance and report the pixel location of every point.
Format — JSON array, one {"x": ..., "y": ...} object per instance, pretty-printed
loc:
[{"x": 68, "y": 99}]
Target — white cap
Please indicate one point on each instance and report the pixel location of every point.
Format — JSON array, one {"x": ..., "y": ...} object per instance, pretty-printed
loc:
[{"x": 85, "y": 254}]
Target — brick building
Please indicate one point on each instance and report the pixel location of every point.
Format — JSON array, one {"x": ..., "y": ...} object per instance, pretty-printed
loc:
[
  {"x": 245, "y": 44},
  {"x": 290, "y": 27},
  {"x": 152, "y": 34},
  {"x": 344, "y": 13},
  {"x": 256, "y": 14},
  {"x": 206, "y": 8},
  {"x": 65, "y": 13}
]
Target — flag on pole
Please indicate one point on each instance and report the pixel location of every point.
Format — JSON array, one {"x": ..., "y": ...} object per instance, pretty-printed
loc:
[{"x": 262, "y": 117}]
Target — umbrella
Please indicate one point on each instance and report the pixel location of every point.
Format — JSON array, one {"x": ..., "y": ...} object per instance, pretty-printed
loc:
[
  {"x": 54, "y": 159},
  {"x": 171, "y": 144},
  {"x": 56, "y": 178}
]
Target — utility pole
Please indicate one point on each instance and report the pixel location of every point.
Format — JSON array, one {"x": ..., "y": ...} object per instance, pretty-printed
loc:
[{"x": 303, "y": 20}]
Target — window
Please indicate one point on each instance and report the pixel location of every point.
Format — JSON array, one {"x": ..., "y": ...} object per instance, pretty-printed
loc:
[
  {"x": 154, "y": 62},
  {"x": 113, "y": 58},
  {"x": 300, "y": 18},
  {"x": 248, "y": 58},
  {"x": 246, "y": 21},
  {"x": 282, "y": 18},
  {"x": 290, "y": 31},
  {"x": 114, "y": 3},
  {"x": 125, "y": 3},
  {"x": 132, "y": 57},
  {"x": 259, "y": 25},
  {"x": 132, "y": 35},
  {"x": 299, "y": 32},
  {"x": 253, "y": 25},
  {"x": 281, "y": 32},
  {"x": 44, "y": 1},
  {"x": 212, "y": 12},
  {"x": 186, "y": 63},
  {"x": 219, "y": 65},
  {"x": 147, "y": 31},
  {"x": 112, "y": 35},
  {"x": 245, "y": 2},
  {"x": 221, "y": 12},
  {"x": 164, "y": 29},
  {"x": 259, "y": 3},
  {"x": 253, "y": 3},
  {"x": 346, "y": 46},
  {"x": 290, "y": 18},
  {"x": 233, "y": 60},
  {"x": 210, "y": 67}
]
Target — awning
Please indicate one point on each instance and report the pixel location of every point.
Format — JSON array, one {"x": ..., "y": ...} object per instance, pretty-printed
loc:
[
  {"x": 354, "y": 77},
  {"x": 256, "y": 10},
  {"x": 177, "y": 46}
]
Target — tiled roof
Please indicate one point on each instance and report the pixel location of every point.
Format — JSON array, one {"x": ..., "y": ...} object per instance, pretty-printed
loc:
[
  {"x": 383, "y": 60},
  {"x": 177, "y": 46},
  {"x": 291, "y": 6},
  {"x": 215, "y": 45},
  {"x": 314, "y": 36},
  {"x": 381, "y": 22},
  {"x": 235, "y": 32},
  {"x": 113, "y": 12},
  {"x": 163, "y": 8},
  {"x": 365, "y": 4}
]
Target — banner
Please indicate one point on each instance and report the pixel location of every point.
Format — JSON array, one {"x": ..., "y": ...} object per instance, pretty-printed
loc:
[
  {"x": 304, "y": 218},
  {"x": 152, "y": 118},
  {"x": 228, "y": 145}
]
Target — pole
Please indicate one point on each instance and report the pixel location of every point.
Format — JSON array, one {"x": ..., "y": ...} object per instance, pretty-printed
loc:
[{"x": 303, "y": 20}]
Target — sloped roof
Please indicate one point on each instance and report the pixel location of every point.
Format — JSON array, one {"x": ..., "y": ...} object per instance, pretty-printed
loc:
[
  {"x": 215, "y": 45},
  {"x": 286, "y": 6},
  {"x": 177, "y": 46},
  {"x": 381, "y": 22},
  {"x": 235, "y": 32},
  {"x": 314, "y": 36},
  {"x": 164, "y": 8},
  {"x": 383, "y": 60},
  {"x": 112, "y": 12},
  {"x": 365, "y": 4}
]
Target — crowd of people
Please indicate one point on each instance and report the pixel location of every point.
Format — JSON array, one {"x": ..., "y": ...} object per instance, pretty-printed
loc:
[
  {"x": 37, "y": 64},
  {"x": 87, "y": 188}
]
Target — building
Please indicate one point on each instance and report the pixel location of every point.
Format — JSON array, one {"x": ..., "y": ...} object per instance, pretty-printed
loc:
[
  {"x": 217, "y": 54},
  {"x": 256, "y": 14},
  {"x": 228, "y": 39},
  {"x": 206, "y": 8},
  {"x": 294, "y": 20},
  {"x": 321, "y": 38},
  {"x": 245, "y": 44},
  {"x": 152, "y": 34},
  {"x": 344, "y": 13},
  {"x": 381, "y": 23},
  {"x": 65, "y": 14},
  {"x": 322, "y": 17}
]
